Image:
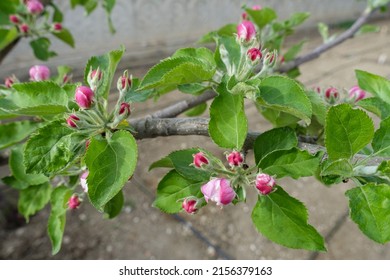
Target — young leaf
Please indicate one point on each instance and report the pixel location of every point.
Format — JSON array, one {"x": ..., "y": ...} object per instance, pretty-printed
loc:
[
  {"x": 341, "y": 167},
  {"x": 7, "y": 36},
  {"x": 286, "y": 95},
  {"x": 107, "y": 63},
  {"x": 14, "y": 132},
  {"x": 33, "y": 199},
  {"x": 375, "y": 105},
  {"x": 41, "y": 47},
  {"x": 56, "y": 223},
  {"x": 225, "y": 31},
  {"x": 65, "y": 36},
  {"x": 228, "y": 124},
  {"x": 227, "y": 54},
  {"x": 52, "y": 148},
  {"x": 197, "y": 110},
  {"x": 57, "y": 15},
  {"x": 203, "y": 54},
  {"x": 318, "y": 106},
  {"x": 262, "y": 17},
  {"x": 370, "y": 210},
  {"x": 347, "y": 131},
  {"x": 293, "y": 51},
  {"x": 12, "y": 182},
  {"x": 135, "y": 95},
  {"x": 176, "y": 71},
  {"x": 172, "y": 189},
  {"x": 108, "y": 5},
  {"x": 293, "y": 163},
  {"x": 283, "y": 219},
  {"x": 377, "y": 85},
  {"x": 114, "y": 207},
  {"x": 19, "y": 172},
  {"x": 381, "y": 141},
  {"x": 276, "y": 139},
  {"x": 165, "y": 162},
  {"x": 111, "y": 162}
]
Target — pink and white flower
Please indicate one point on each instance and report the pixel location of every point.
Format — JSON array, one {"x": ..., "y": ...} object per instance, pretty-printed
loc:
[
  {"x": 189, "y": 205},
  {"x": 265, "y": 183},
  {"x": 84, "y": 96},
  {"x": 200, "y": 159},
  {"x": 246, "y": 30},
  {"x": 356, "y": 93},
  {"x": 39, "y": 73},
  {"x": 219, "y": 191},
  {"x": 83, "y": 181},
  {"x": 34, "y": 7}
]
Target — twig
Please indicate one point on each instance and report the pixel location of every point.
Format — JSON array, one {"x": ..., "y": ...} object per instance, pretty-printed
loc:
[
  {"x": 151, "y": 128},
  {"x": 349, "y": 33}
]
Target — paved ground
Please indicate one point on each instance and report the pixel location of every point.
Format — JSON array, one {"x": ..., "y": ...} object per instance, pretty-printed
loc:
[{"x": 143, "y": 232}]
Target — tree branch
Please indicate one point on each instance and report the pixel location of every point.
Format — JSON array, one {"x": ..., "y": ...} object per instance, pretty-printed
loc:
[
  {"x": 349, "y": 33},
  {"x": 151, "y": 128}
]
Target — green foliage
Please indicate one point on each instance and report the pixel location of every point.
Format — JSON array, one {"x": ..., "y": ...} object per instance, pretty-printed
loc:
[
  {"x": 65, "y": 36},
  {"x": 7, "y": 36},
  {"x": 33, "y": 199},
  {"x": 111, "y": 162},
  {"x": 41, "y": 48},
  {"x": 285, "y": 95},
  {"x": 114, "y": 207},
  {"x": 228, "y": 124},
  {"x": 57, "y": 219},
  {"x": 262, "y": 17},
  {"x": 107, "y": 63},
  {"x": 197, "y": 110},
  {"x": 370, "y": 210},
  {"x": 14, "y": 132},
  {"x": 283, "y": 219},
  {"x": 381, "y": 141},
  {"x": 376, "y": 105},
  {"x": 172, "y": 190},
  {"x": 377, "y": 85},
  {"x": 347, "y": 131}
]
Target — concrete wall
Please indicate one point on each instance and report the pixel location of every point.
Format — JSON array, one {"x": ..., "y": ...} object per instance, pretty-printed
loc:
[{"x": 154, "y": 28}]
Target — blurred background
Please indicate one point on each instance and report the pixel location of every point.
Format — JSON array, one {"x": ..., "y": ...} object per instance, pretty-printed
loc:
[{"x": 151, "y": 30}]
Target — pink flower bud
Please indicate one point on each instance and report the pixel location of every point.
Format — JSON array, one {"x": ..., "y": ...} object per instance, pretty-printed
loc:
[
  {"x": 74, "y": 202},
  {"x": 124, "y": 109},
  {"x": 24, "y": 28},
  {"x": 189, "y": 205},
  {"x": 124, "y": 82},
  {"x": 71, "y": 120},
  {"x": 265, "y": 183},
  {"x": 317, "y": 89},
  {"x": 254, "y": 54},
  {"x": 34, "y": 7},
  {"x": 9, "y": 81},
  {"x": 331, "y": 95},
  {"x": 83, "y": 181},
  {"x": 244, "y": 16},
  {"x": 246, "y": 31},
  {"x": 84, "y": 96},
  {"x": 356, "y": 93},
  {"x": 219, "y": 191},
  {"x": 87, "y": 143},
  {"x": 14, "y": 19},
  {"x": 270, "y": 58},
  {"x": 96, "y": 73},
  {"x": 200, "y": 159},
  {"x": 235, "y": 158},
  {"x": 39, "y": 73},
  {"x": 57, "y": 26}
]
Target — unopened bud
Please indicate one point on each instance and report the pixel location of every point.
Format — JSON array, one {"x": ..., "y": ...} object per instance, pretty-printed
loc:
[
  {"x": 270, "y": 59},
  {"x": 332, "y": 95},
  {"x": 34, "y": 7},
  {"x": 124, "y": 109},
  {"x": 84, "y": 96},
  {"x": 74, "y": 202},
  {"x": 265, "y": 183},
  {"x": 94, "y": 78},
  {"x": 57, "y": 26},
  {"x": 24, "y": 28},
  {"x": 39, "y": 73},
  {"x": 356, "y": 94},
  {"x": 124, "y": 82},
  {"x": 254, "y": 54},
  {"x": 83, "y": 181},
  {"x": 189, "y": 205},
  {"x": 14, "y": 19},
  {"x": 200, "y": 159},
  {"x": 235, "y": 158},
  {"x": 71, "y": 120},
  {"x": 219, "y": 191},
  {"x": 246, "y": 31},
  {"x": 9, "y": 81}
]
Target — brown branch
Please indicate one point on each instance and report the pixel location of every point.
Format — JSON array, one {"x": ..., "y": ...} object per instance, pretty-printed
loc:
[{"x": 349, "y": 33}]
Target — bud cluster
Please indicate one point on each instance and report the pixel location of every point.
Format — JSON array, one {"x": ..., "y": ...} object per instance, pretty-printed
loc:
[
  {"x": 333, "y": 95},
  {"x": 226, "y": 183}
]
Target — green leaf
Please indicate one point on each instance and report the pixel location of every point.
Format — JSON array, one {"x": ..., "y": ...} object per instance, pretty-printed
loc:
[
  {"x": 324, "y": 31},
  {"x": 276, "y": 117},
  {"x": 108, "y": 5},
  {"x": 283, "y": 219},
  {"x": 197, "y": 110},
  {"x": 36, "y": 98},
  {"x": 14, "y": 132},
  {"x": 114, "y": 207},
  {"x": 19, "y": 172},
  {"x": 276, "y": 139},
  {"x": 172, "y": 189},
  {"x": 52, "y": 148},
  {"x": 384, "y": 168},
  {"x": 377, "y": 85},
  {"x": 286, "y": 95},
  {"x": 65, "y": 36},
  {"x": 135, "y": 95},
  {"x": 7, "y": 36},
  {"x": 203, "y": 54},
  {"x": 341, "y": 167},
  {"x": 368, "y": 28},
  {"x": 107, "y": 63},
  {"x": 225, "y": 31},
  {"x": 41, "y": 47},
  {"x": 375, "y": 105},
  {"x": 378, "y": 3},
  {"x": 194, "y": 89},
  {"x": 227, "y": 54},
  {"x": 370, "y": 210},
  {"x": 228, "y": 124},
  {"x": 176, "y": 71},
  {"x": 12, "y": 182},
  {"x": 262, "y": 17},
  {"x": 381, "y": 141},
  {"x": 293, "y": 163},
  {"x": 297, "y": 19},
  {"x": 318, "y": 106},
  {"x": 56, "y": 223},
  {"x": 293, "y": 51},
  {"x": 111, "y": 162},
  {"x": 347, "y": 131},
  {"x": 165, "y": 162},
  {"x": 33, "y": 199},
  {"x": 57, "y": 15}
]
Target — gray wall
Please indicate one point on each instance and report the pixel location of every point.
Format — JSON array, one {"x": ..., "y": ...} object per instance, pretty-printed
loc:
[{"x": 153, "y": 28}]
